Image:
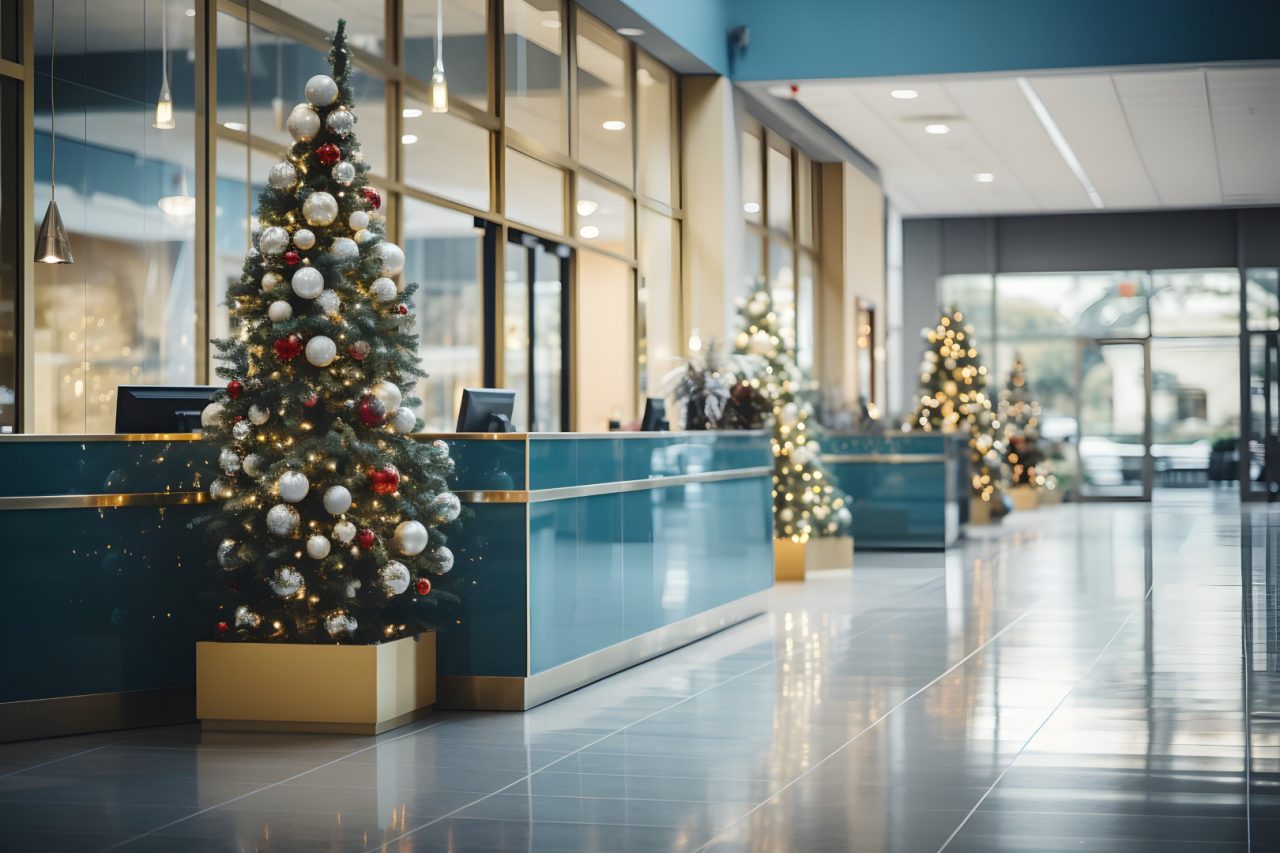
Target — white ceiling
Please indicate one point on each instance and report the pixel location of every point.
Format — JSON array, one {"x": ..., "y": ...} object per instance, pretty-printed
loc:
[{"x": 1184, "y": 137}]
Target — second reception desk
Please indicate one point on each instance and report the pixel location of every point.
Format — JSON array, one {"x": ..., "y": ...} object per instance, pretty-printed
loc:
[{"x": 585, "y": 554}]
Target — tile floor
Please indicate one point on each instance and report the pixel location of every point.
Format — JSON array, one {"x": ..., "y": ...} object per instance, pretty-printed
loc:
[{"x": 1097, "y": 678}]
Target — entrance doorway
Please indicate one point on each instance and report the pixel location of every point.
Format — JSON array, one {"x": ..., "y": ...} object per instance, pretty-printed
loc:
[
  {"x": 1113, "y": 405},
  {"x": 535, "y": 323}
]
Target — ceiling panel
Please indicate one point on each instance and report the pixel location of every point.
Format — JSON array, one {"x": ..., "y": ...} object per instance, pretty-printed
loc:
[
  {"x": 1245, "y": 106},
  {"x": 1168, "y": 114}
]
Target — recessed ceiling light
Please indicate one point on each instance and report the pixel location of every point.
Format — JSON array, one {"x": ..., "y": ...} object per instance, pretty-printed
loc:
[
  {"x": 235, "y": 125},
  {"x": 588, "y": 232},
  {"x": 411, "y": 112},
  {"x": 551, "y": 23},
  {"x": 191, "y": 13},
  {"x": 586, "y": 207},
  {"x": 937, "y": 129},
  {"x": 614, "y": 124},
  {"x": 752, "y": 207},
  {"x": 983, "y": 177},
  {"x": 409, "y": 139},
  {"x": 904, "y": 94},
  {"x": 630, "y": 32}
]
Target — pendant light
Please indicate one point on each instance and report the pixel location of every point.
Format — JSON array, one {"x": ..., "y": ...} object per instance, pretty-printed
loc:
[
  {"x": 164, "y": 106},
  {"x": 439, "y": 86},
  {"x": 52, "y": 245}
]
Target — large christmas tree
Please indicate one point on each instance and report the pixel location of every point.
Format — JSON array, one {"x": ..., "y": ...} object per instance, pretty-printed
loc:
[
  {"x": 953, "y": 398},
  {"x": 1020, "y": 415},
  {"x": 806, "y": 503},
  {"x": 329, "y": 526}
]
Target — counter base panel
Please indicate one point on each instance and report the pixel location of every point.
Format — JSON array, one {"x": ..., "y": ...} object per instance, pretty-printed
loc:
[
  {"x": 96, "y": 712},
  {"x": 513, "y": 693}
]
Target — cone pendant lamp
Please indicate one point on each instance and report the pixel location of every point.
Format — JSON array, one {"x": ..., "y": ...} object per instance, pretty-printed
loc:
[{"x": 52, "y": 245}]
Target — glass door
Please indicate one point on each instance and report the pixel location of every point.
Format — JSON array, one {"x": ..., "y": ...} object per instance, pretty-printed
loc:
[
  {"x": 535, "y": 308},
  {"x": 1113, "y": 394},
  {"x": 1259, "y": 470}
]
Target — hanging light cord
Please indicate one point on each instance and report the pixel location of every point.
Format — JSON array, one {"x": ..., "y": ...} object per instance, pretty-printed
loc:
[
  {"x": 53, "y": 113},
  {"x": 440, "y": 34},
  {"x": 164, "y": 47}
]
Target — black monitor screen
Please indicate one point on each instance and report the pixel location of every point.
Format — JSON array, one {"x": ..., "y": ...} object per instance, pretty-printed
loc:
[
  {"x": 161, "y": 408},
  {"x": 486, "y": 410},
  {"x": 655, "y": 416}
]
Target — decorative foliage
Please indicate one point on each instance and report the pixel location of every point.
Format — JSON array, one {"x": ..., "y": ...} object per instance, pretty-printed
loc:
[
  {"x": 1020, "y": 415},
  {"x": 713, "y": 390},
  {"x": 331, "y": 516},
  {"x": 953, "y": 399},
  {"x": 805, "y": 501}
]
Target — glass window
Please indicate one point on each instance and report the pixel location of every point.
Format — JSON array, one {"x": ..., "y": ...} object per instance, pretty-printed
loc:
[
  {"x": 446, "y": 155},
  {"x": 806, "y": 312},
  {"x": 658, "y": 153},
  {"x": 366, "y": 25},
  {"x": 605, "y": 349},
  {"x": 974, "y": 297},
  {"x": 604, "y": 114},
  {"x": 1050, "y": 369},
  {"x": 535, "y": 192},
  {"x": 11, "y": 30},
  {"x": 1195, "y": 302},
  {"x": 1090, "y": 305},
  {"x": 659, "y": 335},
  {"x": 1195, "y": 397},
  {"x": 782, "y": 283},
  {"x": 535, "y": 84},
  {"x": 443, "y": 252},
  {"x": 466, "y": 46},
  {"x": 752, "y": 181},
  {"x": 779, "y": 178},
  {"x": 1262, "y": 287},
  {"x": 242, "y": 175},
  {"x": 752, "y": 259},
  {"x": 11, "y": 224},
  {"x": 604, "y": 217},
  {"x": 804, "y": 200}
]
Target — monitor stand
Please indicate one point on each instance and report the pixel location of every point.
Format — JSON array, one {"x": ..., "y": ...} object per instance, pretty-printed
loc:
[{"x": 501, "y": 423}]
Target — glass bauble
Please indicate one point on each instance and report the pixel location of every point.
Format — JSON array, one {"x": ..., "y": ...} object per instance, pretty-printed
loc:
[
  {"x": 273, "y": 240},
  {"x": 341, "y": 121},
  {"x": 343, "y": 172},
  {"x": 320, "y": 208},
  {"x": 339, "y": 623},
  {"x": 392, "y": 257},
  {"x": 446, "y": 507},
  {"x": 308, "y": 282},
  {"x": 337, "y": 500},
  {"x": 387, "y": 393},
  {"x": 394, "y": 578},
  {"x": 384, "y": 289},
  {"x": 282, "y": 175},
  {"x": 292, "y": 486},
  {"x": 282, "y": 520},
  {"x": 304, "y": 238},
  {"x": 321, "y": 90},
  {"x": 303, "y": 123},
  {"x": 411, "y": 538},
  {"x": 279, "y": 311},
  {"x": 318, "y": 547},
  {"x": 344, "y": 249},
  {"x": 321, "y": 351},
  {"x": 286, "y": 581}
]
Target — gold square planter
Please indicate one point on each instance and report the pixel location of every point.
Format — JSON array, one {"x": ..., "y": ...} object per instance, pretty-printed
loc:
[
  {"x": 792, "y": 560},
  {"x": 332, "y": 689},
  {"x": 1025, "y": 497},
  {"x": 982, "y": 512}
]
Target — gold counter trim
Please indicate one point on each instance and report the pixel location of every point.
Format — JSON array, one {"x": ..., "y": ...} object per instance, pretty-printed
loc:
[
  {"x": 100, "y": 501},
  {"x": 895, "y": 458},
  {"x": 519, "y": 496},
  {"x": 31, "y": 438},
  {"x": 493, "y": 497}
]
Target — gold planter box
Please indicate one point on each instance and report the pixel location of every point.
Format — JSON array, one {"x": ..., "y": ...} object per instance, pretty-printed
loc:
[
  {"x": 982, "y": 512},
  {"x": 332, "y": 689},
  {"x": 1025, "y": 497},
  {"x": 791, "y": 560}
]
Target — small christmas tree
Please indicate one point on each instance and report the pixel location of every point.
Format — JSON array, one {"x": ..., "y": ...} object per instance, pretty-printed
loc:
[
  {"x": 1020, "y": 415},
  {"x": 331, "y": 515},
  {"x": 806, "y": 503},
  {"x": 953, "y": 399}
]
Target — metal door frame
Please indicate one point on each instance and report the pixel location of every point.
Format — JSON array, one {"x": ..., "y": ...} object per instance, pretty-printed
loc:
[
  {"x": 530, "y": 244},
  {"x": 1148, "y": 461},
  {"x": 1270, "y": 417}
]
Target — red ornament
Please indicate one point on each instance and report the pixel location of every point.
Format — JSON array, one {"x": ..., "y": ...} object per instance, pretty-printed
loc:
[
  {"x": 287, "y": 349},
  {"x": 371, "y": 410},
  {"x": 365, "y": 538},
  {"x": 371, "y": 196},
  {"x": 292, "y": 258},
  {"x": 384, "y": 480},
  {"x": 328, "y": 154},
  {"x": 424, "y": 586},
  {"x": 234, "y": 388},
  {"x": 359, "y": 350},
  {"x": 239, "y": 418},
  {"x": 223, "y": 627},
  {"x": 402, "y": 309},
  {"x": 311, "y": 399}
]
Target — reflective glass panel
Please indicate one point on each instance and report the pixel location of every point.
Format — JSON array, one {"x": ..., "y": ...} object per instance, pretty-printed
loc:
[
  {"x": 806, "y": 341},
  {"x": 366, "y": 23},
  {"x": 752, "y": 179},
  {"x": 655, "y": 97},
  {"x": 11, "y": 223},
  {"x": 1113, "y": 417},
  {"x": 779, "y": 179},
  {"x": 782, "y": 283},
  {"x": 973, "y": 296},
  {"x": 604, "y": 217},
  {"x": 466, "y": 46},
  {"x": 1262, "y": 287},
  {"x": 533, "y": 58},
  {"x": 1090, "y": 305},
  {"x": 605, "y": 360},
  {"x": 535, "y": 192},
  {"x": 805, "y": 201},
  {"x": 1195, "y": 302},
  {"x": 1195, "y": 398},
  {"x": 660, "y": 336},
  {"x": 604, "y": 114},
  {"x": 446, "y": 155}
]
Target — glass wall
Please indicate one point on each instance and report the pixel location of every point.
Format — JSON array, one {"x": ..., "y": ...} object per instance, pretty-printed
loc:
[{"x": 12, "y": 242}]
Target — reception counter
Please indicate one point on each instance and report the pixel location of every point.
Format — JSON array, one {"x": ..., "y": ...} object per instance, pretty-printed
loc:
[{"x": 578, "y": 555}]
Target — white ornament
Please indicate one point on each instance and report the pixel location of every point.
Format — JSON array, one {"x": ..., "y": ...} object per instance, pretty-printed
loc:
[
  {"x": 282, "y": 175},
  {"x": 442, "y": 558},
  {"x": 341, "y": 121},
  {"x": 394, "y": 578},
  {"x": 308, "y": 282},
  {"x": 384, "y": 289},
  {"x": 253, "y": 464},
  {"x": 338, "y": 623},
  {"x": 211, "y": 415},
  {"x": 321, "y": 90},
  {"x": 790, "y": 414},
  {"x": 282, "y": 520},
  {"x": 220, "y": 490},
  {"x": 344, "y": 531},
  {"x": 404, "y": 420},
  {"x": 320, "y": 208},
  {"x": 344, "y": 249},
  {"x": 259, "y": 415},
  {"x": 321, "y": 351},
  {"x": 271, "y": 280},
  {"x": 229, "y": 460},
  {"x": 337, "y": 500},
  {"x": 318, "y": 547},
  {"x": 304, "y": 238},
  {"x": 352, "y": 588},
  {"x": 303, "y": 123},
  {"x": 391, "y": 255},
  {"x": 761, "y": 344},
  {"x": 293, "y": 486},
  {"x": 843, "y": 517},
  {"x": 446, "y": 507},
  {"x": 365, "y": 235},
  {"x": 387, "y": 393},
  {"x": 273, "y": 240},
  {"x": 357, "y": 220},
  {"x": 343, "y": 172},
  {"x": 329, "y": 301},
  {"x": 411, "y": 538},
  {"x": 286, "y": 581},
  {"x": 240, "y": 431},
  {"x": 246, "y": 618},
  {"x": 226, "y": 553},
  {"x": 279, "y": 311}
]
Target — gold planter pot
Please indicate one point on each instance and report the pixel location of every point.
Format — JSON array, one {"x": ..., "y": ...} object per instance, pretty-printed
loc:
[
  {"x": 1025, "y": 497},
  {"x": 791, "y": 560},
  {"x": 333, "y": 689},
  {"x": 982, "y": 512}
]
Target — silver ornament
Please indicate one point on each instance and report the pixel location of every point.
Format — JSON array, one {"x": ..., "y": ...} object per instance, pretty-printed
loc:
[
  {"x": 321, "y": 90},
  {"x": 321, "y": 351},
  {"x": 343, "y": 172},
  {"x": 352, "y": 588},
  {"x": 358, "y": 220},
  {"x": 329, "y": 302},
  {"x": 339, "y": 624},
  {"x": 303, "y": 123},
  {"x": 442, "y": 560},
  {"x": 226, "y": 553},
  {"x": 292, "y": 486},
  {"x": 282, "y": 520},
  {"x": 241, "y": 430},
  {"x": 304, "y": 238},
  {"x": 211, "y": 415},
  {"x": 253, "y": 464},
  {"x": 344, "y": 531},
  {"x": 273, "y": 240},
  {"x": 246, "y": 618},
  {"x": 308, "y": 282},
  {"x": 259, "y": 415},
  {"x": 365, "y": 235},
  {"x": 446, "y": 507},
  {"x": 383, "y": 289},
  {"x": 411, "y": 538},
  {"x": 337, "y": 500},
  {"x": 286, "y": 581},
  {"x": 220, "y": 490},
  {"x": 404, "y": 420},
  {"x": 282, "y": 175},
  {"x": 317, "y": 547},
  {"x": 229, "y": 460},
  {"x": 393, "y": 578},
  {"x": 391, "y": 255},
  {"x": 341, "y": 121},
  {"x": 344, "y": 249},
  {"x": 387, "y": 393},
  {"x": 279, "y": 311},
  {"x": 320, "y": 208},
  {"x": 271, "y": 280}
]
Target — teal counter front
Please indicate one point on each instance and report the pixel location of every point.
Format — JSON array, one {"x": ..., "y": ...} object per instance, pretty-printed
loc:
[{"x": 578, "y": 555}]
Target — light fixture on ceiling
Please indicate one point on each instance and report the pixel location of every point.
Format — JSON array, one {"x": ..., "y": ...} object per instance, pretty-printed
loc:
[
  {"x": 751, "y": 207},
  {"x": 630, "y": 32},
  {"x": 614, "y": 124},
  {"x": 984, "y": 177},
  {"x": 408, "y": 139},
  {"x": 588, "y": 232},
  {"x": 235, "y": 125},
  {"x": 180, "y": 207},
  {"x": 411, "y": 112},
  {"x": 439, "y": 86},
  {"x": 551, "y": 23},
  {"x": 164, "y": 106},
  {"x": 1059, "y": 141},
  {"x": 190, "y": 13},
  {"x": 904, "y": 94},
  {"x": 52, "y": 244},
  {"x": 586, "y": 207},
  {"x": 937, "y": 128}
]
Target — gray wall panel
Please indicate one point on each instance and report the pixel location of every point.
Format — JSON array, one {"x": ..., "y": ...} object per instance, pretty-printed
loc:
[{"x": 1117, "y": 241}]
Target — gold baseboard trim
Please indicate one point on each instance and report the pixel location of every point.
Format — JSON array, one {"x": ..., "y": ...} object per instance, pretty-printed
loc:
[
  {"x": 312, "y": 728},
  {"x": 96, "y": 712},
  {"x": 514, "y": 693}
]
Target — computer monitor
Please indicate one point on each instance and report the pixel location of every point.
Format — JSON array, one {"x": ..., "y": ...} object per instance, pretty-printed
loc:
[
  {"x": 486, "y": 410},
  {"x": 161, "y": 408},
  {"x": 655, "y": 416}
]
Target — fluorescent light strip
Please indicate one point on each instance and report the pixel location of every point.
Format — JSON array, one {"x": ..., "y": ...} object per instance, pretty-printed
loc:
[{"x": 1059, "y": 141}]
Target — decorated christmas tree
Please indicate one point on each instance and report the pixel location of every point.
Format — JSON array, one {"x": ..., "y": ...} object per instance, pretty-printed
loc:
[
  {"x": 330, "y": 516},
  {"x": 953, "y": 399},
  {"x": 806, "y": 503},
  {"x": 1020, "y": 415}
]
